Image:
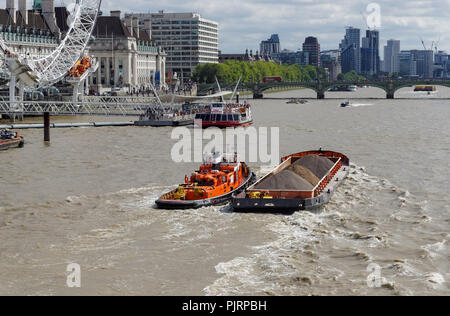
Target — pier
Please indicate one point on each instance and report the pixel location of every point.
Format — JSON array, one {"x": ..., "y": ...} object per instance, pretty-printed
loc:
[{"x": 66, "y": 125}]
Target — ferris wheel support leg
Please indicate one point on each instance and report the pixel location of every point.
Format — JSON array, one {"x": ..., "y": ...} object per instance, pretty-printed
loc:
[
  {"x": 82, "y": 89},
  {"x": 76, "y": 88},
  {"x": 21, "y": 99},
  {"x": 12, "y": 97}
]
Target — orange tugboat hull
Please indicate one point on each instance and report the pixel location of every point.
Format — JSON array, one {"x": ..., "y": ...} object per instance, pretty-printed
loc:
[{"x": 213, "y": 184}]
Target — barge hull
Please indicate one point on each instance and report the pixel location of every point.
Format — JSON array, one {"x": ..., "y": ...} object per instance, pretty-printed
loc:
[
  {"x": 286, "y": 201},
  {"x": 241, "y": 204}
]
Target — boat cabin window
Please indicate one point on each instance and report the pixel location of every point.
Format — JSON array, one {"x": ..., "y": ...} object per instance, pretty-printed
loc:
[
  {"x": 207, "y": 117},
  {"x": 235, "y": 117},
  {"x": 206, "y": 183}
]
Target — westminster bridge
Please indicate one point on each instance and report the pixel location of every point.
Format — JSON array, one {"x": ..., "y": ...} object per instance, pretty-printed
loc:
[{"x": 320, "y": 87}]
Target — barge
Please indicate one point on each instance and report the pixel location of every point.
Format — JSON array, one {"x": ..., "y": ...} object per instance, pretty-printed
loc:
[
  {"x": 10, "y": 140},
  {"x": 219, "y": 177},
  {"x": 302, "y": 181}
]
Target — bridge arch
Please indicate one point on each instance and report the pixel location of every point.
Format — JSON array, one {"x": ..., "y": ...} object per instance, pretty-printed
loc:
[
  {"x": 328, "y": 86},
  {"x": 284, "y": 86},
  {"x": 439, "y": 88},
  {"x": 381, "y": 92}
]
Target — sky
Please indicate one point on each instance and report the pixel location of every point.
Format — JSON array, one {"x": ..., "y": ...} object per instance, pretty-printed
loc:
[{"x": 245, "y": 23}]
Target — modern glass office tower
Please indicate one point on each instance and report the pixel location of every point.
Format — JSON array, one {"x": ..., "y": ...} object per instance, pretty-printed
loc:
[
  {"x": 370, "y": 53},
  {"x": 391, "y": 61},
  {"x": 351, "y": 50}
]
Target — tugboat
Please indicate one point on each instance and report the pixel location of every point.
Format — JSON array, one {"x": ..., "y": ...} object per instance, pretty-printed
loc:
[
  {"x": 302, "y": 181},
  {"x": 225, "y": 115},
  {"x": 10, "y": 140},
  {"x": 220, "y": 176}
]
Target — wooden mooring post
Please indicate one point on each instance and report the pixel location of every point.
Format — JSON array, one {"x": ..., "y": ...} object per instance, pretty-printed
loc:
[{"x": 47, "y": 127}]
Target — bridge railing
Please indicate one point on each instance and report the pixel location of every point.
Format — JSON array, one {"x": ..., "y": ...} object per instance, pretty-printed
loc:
[{"x": 119, "y": 99}]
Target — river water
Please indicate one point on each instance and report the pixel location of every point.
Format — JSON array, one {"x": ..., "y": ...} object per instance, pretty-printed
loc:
[{"x": 88, "y": 199}]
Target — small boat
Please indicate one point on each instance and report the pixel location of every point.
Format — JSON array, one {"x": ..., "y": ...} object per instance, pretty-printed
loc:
[
  {"x": 223, "y": 115},
  {"x": 169, "y": 115},
  {"x": 302, "y": 181},
  {"x": 345, "y": 104},
  {"x": 166, "y": 116},
  {"x": 352, "y": 88},
  {"x": 10, "y": 140},
  {"x": 296, "y": 101},
  {"x": 218, "y": 178}
]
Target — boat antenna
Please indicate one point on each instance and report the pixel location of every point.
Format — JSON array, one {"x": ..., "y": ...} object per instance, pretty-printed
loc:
[
  {"x": 220, "y": 89},
  {"x": 218, "y": 84},
  {"x": 235, "y": 89}
]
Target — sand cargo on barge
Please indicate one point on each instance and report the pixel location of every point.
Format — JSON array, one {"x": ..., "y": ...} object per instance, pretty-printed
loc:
[{"x": 302, "y": 181}]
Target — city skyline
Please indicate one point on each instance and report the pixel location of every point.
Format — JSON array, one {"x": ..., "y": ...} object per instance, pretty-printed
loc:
[{"x": 407, "y": 21}]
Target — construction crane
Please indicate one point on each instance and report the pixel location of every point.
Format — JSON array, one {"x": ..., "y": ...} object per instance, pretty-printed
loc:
[{"x": 434, "y": 45}]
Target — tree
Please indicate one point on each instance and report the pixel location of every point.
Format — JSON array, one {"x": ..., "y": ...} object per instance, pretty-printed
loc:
[{"x": 231, "y": 70}]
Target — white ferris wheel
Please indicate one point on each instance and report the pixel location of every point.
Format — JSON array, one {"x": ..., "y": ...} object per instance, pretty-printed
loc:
[{"x": 54, "y": 67}]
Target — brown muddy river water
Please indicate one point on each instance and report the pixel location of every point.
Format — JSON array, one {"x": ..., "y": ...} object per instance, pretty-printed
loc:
[{"x": 88, "y": 198}]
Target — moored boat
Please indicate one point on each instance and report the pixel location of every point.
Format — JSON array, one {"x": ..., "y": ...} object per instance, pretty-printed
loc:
[
  {"x": 302, "y": 181},
  {"x": 218, "y": 178},
  {"x": 168, "y": 116},
  {"x": 223, "y": 115},
  {"x": 10, "y": 140}
]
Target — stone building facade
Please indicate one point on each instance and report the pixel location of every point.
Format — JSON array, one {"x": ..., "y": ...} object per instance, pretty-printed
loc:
[{"x": 128, "y": 57}]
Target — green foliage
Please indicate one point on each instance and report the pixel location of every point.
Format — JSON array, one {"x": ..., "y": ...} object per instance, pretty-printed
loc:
[
  {"x": 351, "y": 76},
  {"x": 231, "y": 70}
]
